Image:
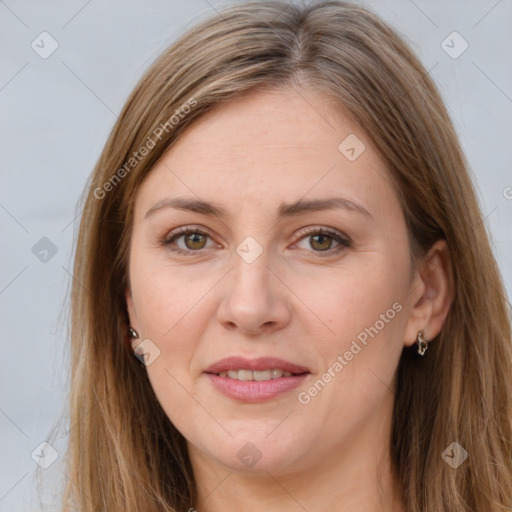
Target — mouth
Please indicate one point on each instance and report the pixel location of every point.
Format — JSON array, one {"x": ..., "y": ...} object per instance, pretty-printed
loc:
[
  {"x": 260, "y": 375},
  {"x": 255, "y": 380}
]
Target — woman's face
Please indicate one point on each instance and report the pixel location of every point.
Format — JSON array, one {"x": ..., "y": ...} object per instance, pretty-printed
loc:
[{"x": 275, "y": 330}]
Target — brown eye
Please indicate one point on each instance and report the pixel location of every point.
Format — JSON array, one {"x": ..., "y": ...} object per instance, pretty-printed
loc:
[
  {"x": 187, "y": 241},
  {"x": 323, "y": 241},
  {"x": 320, "y": 242},
  {"x": 195, "y": 241}
]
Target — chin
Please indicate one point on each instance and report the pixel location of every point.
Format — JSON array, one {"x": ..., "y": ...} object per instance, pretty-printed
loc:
[{"x": 257, "y": 453}]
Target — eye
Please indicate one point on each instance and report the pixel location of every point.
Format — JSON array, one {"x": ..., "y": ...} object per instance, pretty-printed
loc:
[
  {"x": 322, "y": 240},
  {"x": 186, "y": 240}
]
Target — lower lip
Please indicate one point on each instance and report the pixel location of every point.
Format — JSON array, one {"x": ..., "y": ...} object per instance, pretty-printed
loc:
[{"x": 254, "y": 391}]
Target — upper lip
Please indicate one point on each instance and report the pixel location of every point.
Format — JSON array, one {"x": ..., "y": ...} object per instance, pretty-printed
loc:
[{"x": 260, "y": 363}]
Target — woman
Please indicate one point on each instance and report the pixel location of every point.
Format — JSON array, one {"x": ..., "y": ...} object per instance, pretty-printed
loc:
[{"x": 285, "y": 297}]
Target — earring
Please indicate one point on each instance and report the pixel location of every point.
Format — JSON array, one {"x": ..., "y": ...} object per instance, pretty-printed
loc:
[
  {"x": 133, "y": 333},
  {"x": 422, "y": 343}
]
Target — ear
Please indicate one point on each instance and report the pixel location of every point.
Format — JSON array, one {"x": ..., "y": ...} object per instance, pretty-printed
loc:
[
  {"x": 432, "y": 292},
  {"x": 132, "y": 315}
]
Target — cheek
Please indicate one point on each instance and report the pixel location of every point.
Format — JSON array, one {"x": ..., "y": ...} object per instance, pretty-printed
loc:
[
  {"x": 174, "y": 312},
  {"x": 363, "y": 308},
  {"x": 358, "y": 359},
  {"x": 171, "y": 314},
  {"x": 166, "y": 297},
  {"x": 352, "y": 299}
]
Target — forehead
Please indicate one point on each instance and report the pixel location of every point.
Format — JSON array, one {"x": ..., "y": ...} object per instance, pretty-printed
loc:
[{"x": 272, "y": 146}]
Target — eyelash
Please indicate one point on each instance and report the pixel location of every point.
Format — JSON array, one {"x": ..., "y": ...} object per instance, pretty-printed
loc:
[{"x": 344, "y": 242}]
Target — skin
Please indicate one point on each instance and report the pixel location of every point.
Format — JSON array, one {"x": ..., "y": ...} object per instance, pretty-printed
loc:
[{"x": 249, "y": 156}]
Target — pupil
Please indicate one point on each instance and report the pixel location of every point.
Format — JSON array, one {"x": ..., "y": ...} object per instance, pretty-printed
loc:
[
  {"x": 195, "y": 238},
  {"x": 324, "y": 242}
]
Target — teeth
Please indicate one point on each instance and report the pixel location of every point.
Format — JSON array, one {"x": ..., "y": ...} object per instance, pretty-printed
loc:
[
  {"x": 244, "y": 375},
  {"x": 261, "y": 375},
  {"x": 274, "y": 373}
]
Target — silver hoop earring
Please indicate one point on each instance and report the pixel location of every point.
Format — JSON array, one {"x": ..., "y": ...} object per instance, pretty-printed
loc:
[
  {"x": 133, "y": 333},
  {"x": 422, "y": 343}
]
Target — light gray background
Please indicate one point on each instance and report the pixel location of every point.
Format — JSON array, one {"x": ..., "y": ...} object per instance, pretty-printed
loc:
[{"x": 57, "y": 113}]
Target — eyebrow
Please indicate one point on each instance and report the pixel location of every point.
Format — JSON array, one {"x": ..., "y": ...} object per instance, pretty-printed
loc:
[{"x": 298, "y": 207}]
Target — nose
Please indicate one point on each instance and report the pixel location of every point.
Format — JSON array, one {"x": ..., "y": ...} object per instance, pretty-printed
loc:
[{"x": 255, "y": 301}]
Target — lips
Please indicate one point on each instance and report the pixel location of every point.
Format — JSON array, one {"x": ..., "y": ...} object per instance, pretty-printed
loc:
[
  {"x": 274, "y": 373},
  {"x": 260, "y": 364},
  {"x": 255, "y": 380}
]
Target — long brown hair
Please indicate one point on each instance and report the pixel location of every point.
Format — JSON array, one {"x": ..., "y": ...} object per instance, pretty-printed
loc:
[{"x": 124, "y": 453}]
